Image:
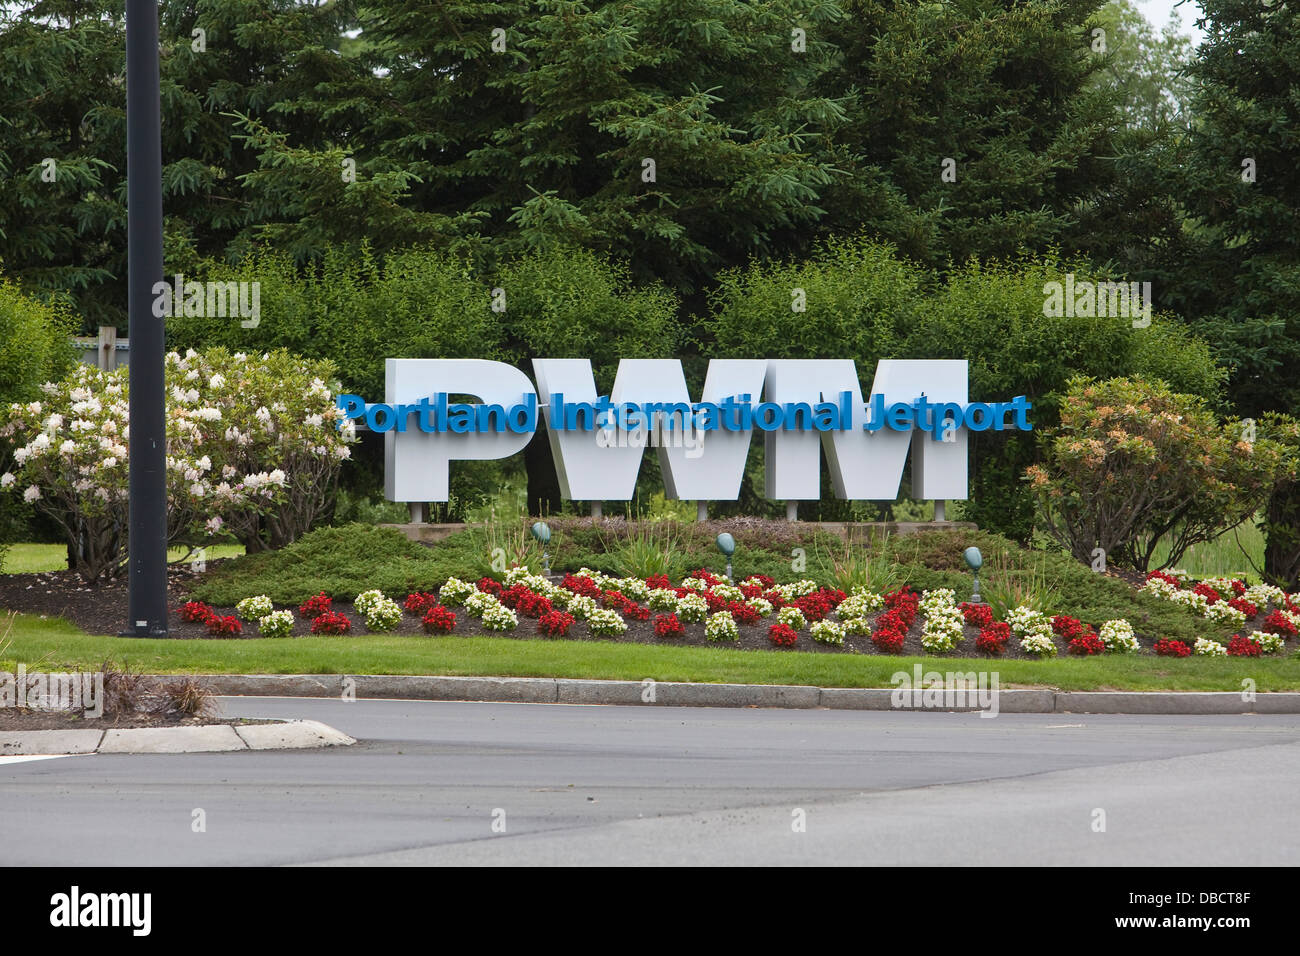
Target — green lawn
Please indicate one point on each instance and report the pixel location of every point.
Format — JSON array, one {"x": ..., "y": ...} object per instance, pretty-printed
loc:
[
  {"x": 28, "y": 558},
  {"x": 56, "y": 644}
]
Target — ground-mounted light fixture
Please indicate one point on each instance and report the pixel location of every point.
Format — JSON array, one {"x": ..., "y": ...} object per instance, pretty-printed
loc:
[
  {"x": 974, "y": 561},
  {"x": 542, "y": 532},
  {"x": 727, "y": 545}
]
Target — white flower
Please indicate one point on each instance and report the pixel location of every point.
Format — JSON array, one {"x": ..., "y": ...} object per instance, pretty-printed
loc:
[
  {"x": 34, "y": 408},
  {"x": 214, "y": 524},
  {"x": 6, "y": 480},
  {"x": 109, "y": 462},
  {"x": 31, "y": 494},
  {"x": 197, "y": 489},
  {"x": 68, "y": 447},
  {"x": 216, "y": 381},
  {"x": 276, "y": 477},
  {"x": 40, "y": 442},
  {"x": 262, "y": 414},
  {"x": 313, "y": 421},
  {"x": 1118, "y": 637},
  {"x": 54, "y": 422}
]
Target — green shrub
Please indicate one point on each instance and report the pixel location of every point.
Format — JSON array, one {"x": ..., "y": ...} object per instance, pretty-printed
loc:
[
  {"x": 35, "y": 343},
  {"x": 1134, "y": 466}
]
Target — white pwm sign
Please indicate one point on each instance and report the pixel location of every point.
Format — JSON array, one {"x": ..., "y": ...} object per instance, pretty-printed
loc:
[{"x": 437, "y": 411}]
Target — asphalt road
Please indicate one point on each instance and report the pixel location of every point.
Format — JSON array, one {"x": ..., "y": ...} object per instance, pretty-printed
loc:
[{"x": 463, "y": 783}]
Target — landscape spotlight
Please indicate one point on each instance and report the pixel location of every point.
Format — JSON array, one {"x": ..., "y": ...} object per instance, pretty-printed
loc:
[
  {"x": 542, "y": 532},
  {"x": 727, "y": 545},
  {"x": 974, "y": 561}
]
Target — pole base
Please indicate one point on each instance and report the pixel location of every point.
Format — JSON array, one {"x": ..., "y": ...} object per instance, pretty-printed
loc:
[{"x": 146, "y": 631}]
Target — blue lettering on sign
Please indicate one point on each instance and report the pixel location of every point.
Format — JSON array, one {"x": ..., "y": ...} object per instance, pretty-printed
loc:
[{"x": 434, "y": 415}]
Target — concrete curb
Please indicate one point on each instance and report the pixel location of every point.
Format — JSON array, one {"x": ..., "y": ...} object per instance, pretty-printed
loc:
[
  {"x": 208, "y": 738},
  {"x": 562, "y": 690}
]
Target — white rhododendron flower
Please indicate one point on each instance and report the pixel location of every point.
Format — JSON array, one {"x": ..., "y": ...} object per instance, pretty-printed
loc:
[{"x": 84, "y": 485}]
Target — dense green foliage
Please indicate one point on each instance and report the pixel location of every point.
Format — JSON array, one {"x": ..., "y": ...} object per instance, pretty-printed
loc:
[
  {"x": 34, "y": 343},
  {"x": 652, "y": 177}
]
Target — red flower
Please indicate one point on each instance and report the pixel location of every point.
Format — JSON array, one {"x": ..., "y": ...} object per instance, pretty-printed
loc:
[
  {"x": 637, "y": 612},
  {"x": 775, "y": 599},
  {"x": 658, "y": 582},
  {"x": 196, "y": 612},
  {"x": 1068, "y": 627},
  {"x": 614, "y": 599},
  {"x": 891, "y": 629},
  {"x": 815, "y": 606},
  {"x": 419, "y": 602},
  {"x": 1087, "y": 643},
  {"x": 489, "y": 586},
  {"x": 226, "y": 626},
  {"x": 782, "y": 635},
  {"x": 764, "y": 580},
  {"x": 580, "y": 584},
  {"x": 903, "y": 600},
  {"x": 1275, "y": 623},
  {"x": 1161, "y": 576},
  {"x": 979, "y": 615},
  {"x": 313, "y": 608},
  {"x": 439, "y": 620},
  {"x": 331, "y": 623},
  {"x": 555, "y": 623},
  {"x": 994, "y": 636},
  {"x": 1211, "y": 595},
  {"x": 1245, "y": 607},
  {"x": 743, "y": 613},
  {"x": 714, "y": 602},
  {"x": 708, "y": 577},
  {"x": 751, "y": 591},
  {"x": 1167, "y": 647},
  {"x": 1244, "y": 647},
  {"x": 667, "y": 625},
  {"x": 1238, "y": 588}
]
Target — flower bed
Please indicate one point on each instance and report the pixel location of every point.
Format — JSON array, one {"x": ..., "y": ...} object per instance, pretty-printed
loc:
[{"x": 755, "y": 613}]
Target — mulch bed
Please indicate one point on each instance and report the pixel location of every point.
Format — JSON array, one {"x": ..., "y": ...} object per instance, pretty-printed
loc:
[{"x": 96, "y": 610}]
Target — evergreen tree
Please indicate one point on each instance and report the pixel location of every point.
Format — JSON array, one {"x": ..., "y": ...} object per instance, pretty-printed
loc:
[{"x": 1242, "y": 185}]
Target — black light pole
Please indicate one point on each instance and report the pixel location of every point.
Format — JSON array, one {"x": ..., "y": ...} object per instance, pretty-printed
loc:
[{"x": 147, "y": 541}]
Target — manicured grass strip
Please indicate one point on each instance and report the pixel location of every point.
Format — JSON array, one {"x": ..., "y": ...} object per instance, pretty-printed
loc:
[
  {"x": 55, "y": 644},
  {"x": 30, "y": 558}
]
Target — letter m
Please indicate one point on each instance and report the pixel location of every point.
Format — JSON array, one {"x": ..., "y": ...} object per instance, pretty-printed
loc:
[{"x": 865, "y": 466}]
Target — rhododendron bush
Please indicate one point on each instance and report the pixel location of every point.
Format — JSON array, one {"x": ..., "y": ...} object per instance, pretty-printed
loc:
[
  {"x": 253, "y": 448},
  {"x": 1134, "y": 466}
]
